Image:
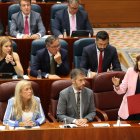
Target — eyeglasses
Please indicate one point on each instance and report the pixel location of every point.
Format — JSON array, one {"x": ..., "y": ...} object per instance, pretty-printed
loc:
[
  {"x": 55, "y": 47},
  {"x": 73, "y": 8}
]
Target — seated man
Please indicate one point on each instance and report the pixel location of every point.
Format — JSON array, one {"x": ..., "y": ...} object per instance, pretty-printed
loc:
[
  {"x": 76, "y": 103},
  {"x": 101, "y": 56},
  {"x": 71, "y": 19},
  {"x": 52, "y": 60},
  {"x": 27, "y": 23}
]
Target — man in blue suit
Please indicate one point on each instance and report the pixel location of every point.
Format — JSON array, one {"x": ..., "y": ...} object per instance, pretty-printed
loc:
[
  {"x": 91, "y": 56},
  {"x": 34, "y": 22},
  {"x": 52, "y": 60},
  {"x": 71, "y": 18}
]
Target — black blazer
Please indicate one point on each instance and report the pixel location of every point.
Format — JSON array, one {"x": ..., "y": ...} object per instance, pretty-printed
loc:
[{"x": 89, "y": 59}]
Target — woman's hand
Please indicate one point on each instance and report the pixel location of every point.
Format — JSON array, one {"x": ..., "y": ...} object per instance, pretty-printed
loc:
[{"x": 116, "y": 81}]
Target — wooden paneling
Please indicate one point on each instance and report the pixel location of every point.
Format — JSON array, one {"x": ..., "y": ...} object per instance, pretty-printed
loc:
[{"x": 113, "y": 13}]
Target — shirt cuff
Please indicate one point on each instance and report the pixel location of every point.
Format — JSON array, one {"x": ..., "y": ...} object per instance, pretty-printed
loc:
[{"x": 47, "y": 75}]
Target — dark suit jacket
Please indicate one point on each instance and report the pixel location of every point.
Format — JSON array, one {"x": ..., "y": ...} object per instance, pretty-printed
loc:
[
  {"x": 61, "y": 22},
  {"x": 66, "y": 107},
  {"x": 42, "y": 63},
  {"x": 36, "y": 24},
  {"x": 89, "y": 59},
  {"x": 1, "y": 28}
]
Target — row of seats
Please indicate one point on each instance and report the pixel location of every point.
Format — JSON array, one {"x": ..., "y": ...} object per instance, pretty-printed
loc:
[
  {"x": 77, "y": 48},
  {"x": 105, "y": 97},
  {"x": 14, "y": 8}
]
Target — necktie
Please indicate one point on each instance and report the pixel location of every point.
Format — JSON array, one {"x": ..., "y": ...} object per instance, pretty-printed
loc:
[
  {"x": 100, "y": 63},
  {"x": 78, "y": 105},
  {"x": 52, "y": 65},
  {"x": 26, "y": 26},
  {"x": 73, "y": 25}
]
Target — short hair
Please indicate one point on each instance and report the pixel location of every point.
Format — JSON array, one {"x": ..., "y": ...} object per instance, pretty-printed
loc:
[
  {"x": 102, "y": 35},
  {"x": 24, "y": 0},
  {"x": 73, "y": 1},
  {"x": 75, "y": 72},
  {"x": 50, "y": 40},
  {"x": 136, "y": 65}
]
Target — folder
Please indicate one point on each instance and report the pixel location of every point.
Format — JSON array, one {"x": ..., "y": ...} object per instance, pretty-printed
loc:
[{"x": 133, "y": 104}]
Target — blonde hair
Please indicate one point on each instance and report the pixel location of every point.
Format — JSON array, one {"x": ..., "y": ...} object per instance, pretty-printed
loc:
[
  {"x": 4, "y": 40},
  {"x": 18, "y": 103}
]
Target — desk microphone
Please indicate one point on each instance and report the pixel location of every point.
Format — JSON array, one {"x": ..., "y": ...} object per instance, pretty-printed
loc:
[{"x": 118, "y": 121}]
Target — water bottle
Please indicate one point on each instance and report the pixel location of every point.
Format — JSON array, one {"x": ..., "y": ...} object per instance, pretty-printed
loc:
[
  {"x": 64, "y": 33},
  {"x": 39, "y": 76},
  {"x": 89, "y": 73}
]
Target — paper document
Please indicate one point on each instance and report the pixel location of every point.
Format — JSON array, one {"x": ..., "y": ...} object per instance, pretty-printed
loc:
[
  {"x": 121, "y": 125},
  {"x": 101, "y": 125}
]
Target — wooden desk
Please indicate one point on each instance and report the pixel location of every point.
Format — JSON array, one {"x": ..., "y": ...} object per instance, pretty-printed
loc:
[{"x": 52, "y": 131}]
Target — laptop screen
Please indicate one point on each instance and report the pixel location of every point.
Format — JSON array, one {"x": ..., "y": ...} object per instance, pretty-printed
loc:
[{"x": 80, "y": 33}]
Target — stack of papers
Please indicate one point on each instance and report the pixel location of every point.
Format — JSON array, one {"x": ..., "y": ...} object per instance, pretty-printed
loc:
[
  {"x": 21, "y": 128},
  {"x": 101, "y": 125},
  {"x": 118, "y": 125}
]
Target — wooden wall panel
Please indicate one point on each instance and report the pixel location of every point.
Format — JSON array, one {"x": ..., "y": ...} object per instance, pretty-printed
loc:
[{"x": 113, "y": 13}]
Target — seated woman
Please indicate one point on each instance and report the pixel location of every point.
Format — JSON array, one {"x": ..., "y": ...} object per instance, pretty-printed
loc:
[
  {"x": 24, "y": 109},
  {"x": 9, "y": 60}
]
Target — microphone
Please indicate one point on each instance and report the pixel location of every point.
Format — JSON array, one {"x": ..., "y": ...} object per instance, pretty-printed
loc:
[{"x": 118, "y": 121}]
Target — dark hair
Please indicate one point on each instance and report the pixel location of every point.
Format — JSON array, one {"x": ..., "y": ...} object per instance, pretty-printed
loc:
[
  {"x": 50, "y": 40},
  {"x": 102, "y": 35},
  {"x": 136, "y": 65},
  {"x": 71, "y": 1},
  {"x": 24, "y": 0},
  {"x": 76, "y": 72}
]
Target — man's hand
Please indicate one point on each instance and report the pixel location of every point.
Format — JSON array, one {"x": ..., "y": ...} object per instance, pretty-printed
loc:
[
  {"x": 51, "y": 76},
  {"x": 57, "y": 58},
  {"x": 60, "y": 36},
  {"x": 81, "y": 122},
  {"x": 26, "y": 36},
  {"x": 35, "y": 36}
]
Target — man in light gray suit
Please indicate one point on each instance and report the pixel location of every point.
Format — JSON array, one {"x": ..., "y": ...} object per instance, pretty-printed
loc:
[
  {"x": 34, "y": 25},
  {"x": 72, "y": 109}
]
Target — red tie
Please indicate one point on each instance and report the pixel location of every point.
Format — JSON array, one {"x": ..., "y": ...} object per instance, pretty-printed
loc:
[
  {"x": 26, "y": 26},
  {"x": 100, "y": 62}
]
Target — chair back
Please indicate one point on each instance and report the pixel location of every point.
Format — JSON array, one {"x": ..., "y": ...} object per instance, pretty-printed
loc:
[
  {"x": 56, "y": 87},
  {"x": 78, "y": 49},
  {"x": 106, "y": 98},
  {"x": 14, "y": 45},
  {"x": 7, "y": 90},
  {"x": 14, "y": 8},
  {"x": 40, "y": 44}
]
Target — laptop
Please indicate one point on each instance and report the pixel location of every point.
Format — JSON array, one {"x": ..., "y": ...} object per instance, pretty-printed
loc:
[
  {"x": 80, "y": 33},
  {"x": 6, "y": 75}
]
